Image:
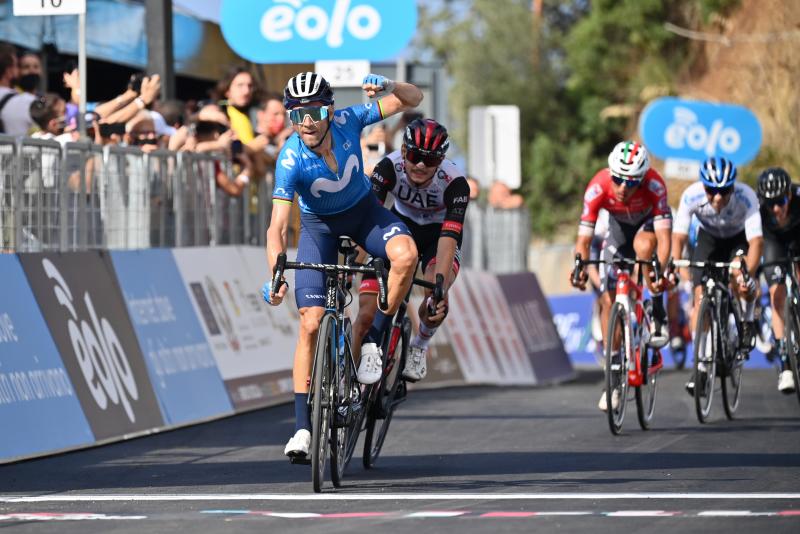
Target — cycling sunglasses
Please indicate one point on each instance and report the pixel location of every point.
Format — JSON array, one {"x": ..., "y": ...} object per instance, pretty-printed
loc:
[
  {"x": 628, "y": 181},
  {"x": 721, "y": 191},
  {"x": 416, "y": 156},
  {"x": 779, "y": 201},
  {"x": 317, "y": 113}
]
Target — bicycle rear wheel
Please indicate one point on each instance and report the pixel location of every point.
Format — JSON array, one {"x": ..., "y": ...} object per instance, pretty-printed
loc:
[
  {"x": 705, "y": 363},
  {"x": 321, "y": 398},
  {"x": 792, "y": 337},
  {"x": 731, "y": 379},
  {"x": 616, "y": 367},
  {"x": 380, "y": 416}
]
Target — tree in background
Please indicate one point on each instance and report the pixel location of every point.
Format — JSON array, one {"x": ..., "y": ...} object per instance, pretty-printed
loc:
[{"x": 580, "y": 72}]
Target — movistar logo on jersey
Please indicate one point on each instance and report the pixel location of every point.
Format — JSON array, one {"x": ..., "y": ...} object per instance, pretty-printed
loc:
[
  {"x": 696, "y": 130},
  {"x": 303, "y": 31},
  {"x": 334, "y": 186}
]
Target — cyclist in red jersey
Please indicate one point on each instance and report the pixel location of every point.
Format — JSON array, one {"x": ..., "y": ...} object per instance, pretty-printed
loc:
[{"x": 640, "y": 222}]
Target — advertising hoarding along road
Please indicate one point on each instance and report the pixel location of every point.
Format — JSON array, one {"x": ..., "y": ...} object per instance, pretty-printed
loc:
[
  {"x": 531, "y": 313},
  {"x": 182, "y": 368},
  {"x": 39, "y": 408},
  {"x": 305, "y": 31},
  {"x": 225, "y": 298},
  {"x": 83, "y": 307},
  {"x": 695, "y": 130}
]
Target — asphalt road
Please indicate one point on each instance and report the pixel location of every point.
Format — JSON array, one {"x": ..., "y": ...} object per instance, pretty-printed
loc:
[{"x": 457, "y": 460}]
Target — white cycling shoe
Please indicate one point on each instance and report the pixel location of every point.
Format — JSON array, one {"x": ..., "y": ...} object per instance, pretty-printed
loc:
[
  {"x": 416, "y": 367},
  {"x": 298, "y": 445},
  {"x": 370, "y": 367},
  {"x": 786, "y": 382},
  {"x": 603, "y": 404}
]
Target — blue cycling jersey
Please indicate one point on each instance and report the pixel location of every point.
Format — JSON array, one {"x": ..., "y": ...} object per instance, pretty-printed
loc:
[{"x": 321, "y": 191}]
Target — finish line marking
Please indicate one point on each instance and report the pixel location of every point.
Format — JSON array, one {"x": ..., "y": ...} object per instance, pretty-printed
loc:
[{"x": 390, "y": 497}]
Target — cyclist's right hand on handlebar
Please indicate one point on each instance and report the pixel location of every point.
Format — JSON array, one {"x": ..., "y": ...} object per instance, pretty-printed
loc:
[
  {"x": 275, "y": 300},
  {"x": 578, "y": 279}
]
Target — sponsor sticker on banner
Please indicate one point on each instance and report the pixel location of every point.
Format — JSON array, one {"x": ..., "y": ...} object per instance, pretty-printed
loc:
[
  {"x": 534, "y": 321},
  {"x": 82, "y": 305},
  {"x": 250, "y": 351},
  {"x": 182, "y": 368},
  {"x": 39, "y": 408},
  {"x": 572, "y": 315}
]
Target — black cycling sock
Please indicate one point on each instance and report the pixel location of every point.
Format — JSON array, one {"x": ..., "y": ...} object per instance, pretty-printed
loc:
[
  {"x": 380, "y": 323},
  {"x": 659, "y": 313},
  {"x": 302, "y": 421}
]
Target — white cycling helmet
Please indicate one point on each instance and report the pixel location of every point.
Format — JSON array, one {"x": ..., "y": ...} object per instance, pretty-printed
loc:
[{"x": 629, "y": 159}]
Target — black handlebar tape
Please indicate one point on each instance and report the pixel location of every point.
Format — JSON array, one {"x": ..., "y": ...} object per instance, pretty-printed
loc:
[
  {"x": 277, "y": 277},
  {"x": 577, "y": 270}
]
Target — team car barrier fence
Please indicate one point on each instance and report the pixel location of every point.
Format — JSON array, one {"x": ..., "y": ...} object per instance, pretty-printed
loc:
[{"x": 103, "y": 345}]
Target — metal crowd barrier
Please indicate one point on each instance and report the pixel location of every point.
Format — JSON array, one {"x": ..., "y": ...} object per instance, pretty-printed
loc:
[
  {"x": 496, "y": 240},
  {"x": 81, "y": 196}
]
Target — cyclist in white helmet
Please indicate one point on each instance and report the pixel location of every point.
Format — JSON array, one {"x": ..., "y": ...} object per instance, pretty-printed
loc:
[
  {"x": 639, "y": 223},
  {"x": 730, "y": 226}
]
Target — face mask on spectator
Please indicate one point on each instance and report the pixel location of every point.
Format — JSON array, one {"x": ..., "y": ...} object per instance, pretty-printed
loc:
[{"x": 29, "y": 82}]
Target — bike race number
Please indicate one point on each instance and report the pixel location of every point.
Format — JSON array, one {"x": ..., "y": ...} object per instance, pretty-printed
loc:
[
  {"x": 49, "y": 7},
  {"x": 696, "y": 130}
]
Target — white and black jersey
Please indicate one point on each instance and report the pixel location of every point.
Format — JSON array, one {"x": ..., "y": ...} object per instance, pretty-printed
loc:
[{"x": 443, "y": 202}]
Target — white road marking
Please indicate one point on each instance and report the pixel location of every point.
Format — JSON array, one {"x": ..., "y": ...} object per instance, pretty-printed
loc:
[{"x": 387, "y": 497}]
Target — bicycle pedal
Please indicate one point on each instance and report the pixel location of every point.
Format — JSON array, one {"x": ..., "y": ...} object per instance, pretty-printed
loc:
[{"x": 300, "y": 460}]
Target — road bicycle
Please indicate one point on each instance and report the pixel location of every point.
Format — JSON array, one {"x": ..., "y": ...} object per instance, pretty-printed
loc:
[
  {"x": 718, "y": 349},
  {"x": 791, "y": 315},
  {"x": 392, "y": 389},
  {"x": 335, "y": 395},
  {"x": 629, "y": 360}
]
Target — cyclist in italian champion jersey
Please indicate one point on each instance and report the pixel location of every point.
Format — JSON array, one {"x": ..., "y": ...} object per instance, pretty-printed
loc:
[
  {"x": 730, "y": 226},
  {"x": 322, "y": 163},
  {"x": 780, "y": 218},
  {"x": 639, "y": 222},
  {"x": 431, "y": 195}
]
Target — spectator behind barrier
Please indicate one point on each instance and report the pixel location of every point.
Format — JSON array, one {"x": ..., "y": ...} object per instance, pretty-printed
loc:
[
  {"x": 49, "y": 114},
  {"x": 30, "y": 73},
  {"x": 235, "y": 92},
  {"x": 15, "y": 118},
  {"x": 273, "y": 128},
  {"x": 500, "y": 196},
  {"x": 140, "y": 132},
  {"x": 373, "y": 147},
  {"x": 210, "y": 132}
]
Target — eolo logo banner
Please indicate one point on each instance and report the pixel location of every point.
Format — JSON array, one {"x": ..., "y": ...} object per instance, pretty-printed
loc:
[
  {"x": 696, "y": 130},
  {"x": 304, "y": 31}
]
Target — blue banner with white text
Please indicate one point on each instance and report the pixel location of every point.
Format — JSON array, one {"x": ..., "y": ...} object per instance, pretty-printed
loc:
[
  {"x": 39, "y": 409},
  {"x": 181, "y": 365}
]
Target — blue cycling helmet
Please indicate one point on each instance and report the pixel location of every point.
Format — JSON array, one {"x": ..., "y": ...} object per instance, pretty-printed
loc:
[{"x": 718, "y": 173}]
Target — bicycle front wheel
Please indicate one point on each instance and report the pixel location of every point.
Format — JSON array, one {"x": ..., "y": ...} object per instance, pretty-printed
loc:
[
  {"x": 792, "y": 337},
  {"x": 380, "y": 415},
  {"x": 616, "y": 367},
  {"x": 731, "y": 379},
  {"x": 704, "y": 360},
  {"x": 322, "y": 395}
]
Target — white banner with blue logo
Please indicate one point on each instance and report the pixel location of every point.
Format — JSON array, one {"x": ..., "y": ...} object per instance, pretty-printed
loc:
[{"x": 39, "y": 409}]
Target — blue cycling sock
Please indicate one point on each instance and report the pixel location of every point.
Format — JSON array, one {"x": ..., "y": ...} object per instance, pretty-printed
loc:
[
  {"x": 380, "y": 324},
  {"x": 301, "y": 418}
]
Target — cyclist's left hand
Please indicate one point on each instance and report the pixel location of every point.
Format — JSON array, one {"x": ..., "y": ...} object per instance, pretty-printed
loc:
[
  {"x": 375, "y": 83},
  {"x": 275, "y": 300}
]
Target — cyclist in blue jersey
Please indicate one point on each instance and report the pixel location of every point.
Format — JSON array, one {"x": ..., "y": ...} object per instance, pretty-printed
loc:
[{"x": 322, "y": 163}]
